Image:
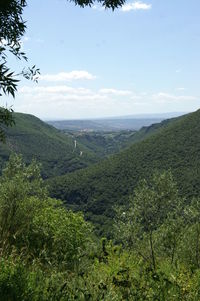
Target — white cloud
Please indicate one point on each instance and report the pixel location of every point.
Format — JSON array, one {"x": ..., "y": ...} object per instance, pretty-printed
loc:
[
  {"x": 115, "y": 92},
  {"x": 67, "y": 76},
  {"x": 53, "y": 90},
  {"x": 64, "y": 94},
  {"x": 59, "y": 93},
  {"x": 64, "y": 101},
  {"x": 162, "y": 97},
  {"x": 136, "y": 5}
]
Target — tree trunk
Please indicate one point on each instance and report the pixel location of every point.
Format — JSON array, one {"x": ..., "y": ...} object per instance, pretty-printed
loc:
[
  {"x": 197, "y": 246},
  {"x": 152, "y": 251},
  {"x": 173, "y": 249}
]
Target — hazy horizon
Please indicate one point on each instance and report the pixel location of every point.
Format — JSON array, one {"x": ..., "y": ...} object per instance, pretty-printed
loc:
[{"x": 136, "y": 116}]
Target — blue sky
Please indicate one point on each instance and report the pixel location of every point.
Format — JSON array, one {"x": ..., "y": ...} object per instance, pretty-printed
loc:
[{"x": 142, "y": 58}]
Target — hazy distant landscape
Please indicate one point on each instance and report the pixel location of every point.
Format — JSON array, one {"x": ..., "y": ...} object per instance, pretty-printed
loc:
[{"x": 134, "y": 122}]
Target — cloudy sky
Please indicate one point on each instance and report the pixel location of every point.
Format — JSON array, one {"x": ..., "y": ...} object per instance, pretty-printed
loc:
[{"x": 142, "y": 58}]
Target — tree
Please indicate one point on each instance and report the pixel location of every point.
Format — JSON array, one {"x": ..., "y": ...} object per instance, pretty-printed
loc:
[
  {"x": 36, "y": 225},
  {"x": 190, "y": 243},
  {"x": 152, "y": 205},
  {"x": 12, "y": 29},
  {"x": 17, "y": 183}
]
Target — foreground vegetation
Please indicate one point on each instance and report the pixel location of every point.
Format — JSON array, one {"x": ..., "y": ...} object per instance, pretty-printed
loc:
[{"x": 49, "y": 253}]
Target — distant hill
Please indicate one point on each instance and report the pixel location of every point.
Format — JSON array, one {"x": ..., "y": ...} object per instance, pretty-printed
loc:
[
  {"x": 34, "y": 138},
  {"x": 134, "y": 122},
  {"x": 171, "y": 145}
]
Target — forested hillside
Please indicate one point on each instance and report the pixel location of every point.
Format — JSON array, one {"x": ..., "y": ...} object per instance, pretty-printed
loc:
[
  {"x": 33, "y": 138},
  {"x": 97, "y": 189},
  {"x": 63, "y": 152}
]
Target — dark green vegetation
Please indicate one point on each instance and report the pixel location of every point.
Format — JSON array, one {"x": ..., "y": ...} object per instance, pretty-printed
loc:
[
  {"x": 35, "y": 139},
  {"x": 97, "y": 189},
  {"x": 51, "y": 254},
  {"x": 56, "y": 150},
  {"x": 105, "y": 143}
]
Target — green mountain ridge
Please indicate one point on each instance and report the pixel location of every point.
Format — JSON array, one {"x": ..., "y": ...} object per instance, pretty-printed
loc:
[
  {"x": 174, "y": 145},
  {"x": 34, "y": 138},
  {"x": 60, "y": 152}
]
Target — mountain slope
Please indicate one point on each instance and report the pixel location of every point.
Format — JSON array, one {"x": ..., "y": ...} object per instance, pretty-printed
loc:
[
  {"x": 34, "y": 138},
  {"x": 95, "y": 190}
]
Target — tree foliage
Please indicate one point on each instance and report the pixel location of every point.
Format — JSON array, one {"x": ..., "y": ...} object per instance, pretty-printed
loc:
[
  {"x": 32, "y": 222},
  {"x": 12, "y": 29},
  {"x": 153, "y": 205}
]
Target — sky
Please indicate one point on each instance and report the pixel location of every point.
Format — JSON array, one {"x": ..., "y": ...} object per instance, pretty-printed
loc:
[{"x": 142, "y": 58}]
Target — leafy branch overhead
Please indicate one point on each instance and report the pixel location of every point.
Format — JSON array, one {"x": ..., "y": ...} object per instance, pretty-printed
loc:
[
  {"x": 113, "y": 4},
  {"x": 12, "y": 29}
]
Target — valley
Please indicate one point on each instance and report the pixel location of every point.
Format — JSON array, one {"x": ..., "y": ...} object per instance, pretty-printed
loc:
[
  {"x": 171, "y": 145},
  {"x": 61, "y": 151},
  {"x": 93, "y": 171},
  {"x": 99, "y": 150}
]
